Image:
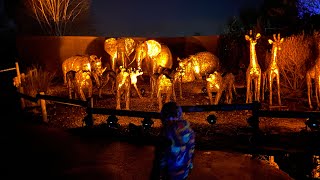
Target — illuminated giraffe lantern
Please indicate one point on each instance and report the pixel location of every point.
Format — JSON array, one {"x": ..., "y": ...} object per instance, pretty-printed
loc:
[
  {"x": 314, "y": 73},
  {"x": 273, "y": 69},
  {"x": 254, "y": 71}
]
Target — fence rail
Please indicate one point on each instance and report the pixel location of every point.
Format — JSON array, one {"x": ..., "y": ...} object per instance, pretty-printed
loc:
[
  {"x": 255, "y": 107},
  {"x": 253, "y": 121}
]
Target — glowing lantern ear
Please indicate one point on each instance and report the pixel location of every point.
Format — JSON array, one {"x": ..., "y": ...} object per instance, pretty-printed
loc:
[
  {"x": 270, "y": 41},
  {"x": 281, "y": 40},
  {"x": 247, "y": 37},
  {"x": 258, "y": 36}
]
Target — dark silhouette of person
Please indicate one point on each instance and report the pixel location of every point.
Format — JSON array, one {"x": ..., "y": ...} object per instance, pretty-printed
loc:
[{"x": 174, "y": 160}]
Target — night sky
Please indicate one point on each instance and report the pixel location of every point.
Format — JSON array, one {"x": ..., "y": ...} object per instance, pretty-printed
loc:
[{"x": 165, "y": 17}]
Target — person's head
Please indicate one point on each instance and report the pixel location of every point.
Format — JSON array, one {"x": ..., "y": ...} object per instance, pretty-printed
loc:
[{"x": 170, "y": 111}]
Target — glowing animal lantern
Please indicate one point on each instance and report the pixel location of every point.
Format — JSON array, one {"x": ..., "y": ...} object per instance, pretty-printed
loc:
[
  {"x": 106, "y": 77},
  {"x": 152, "y": 57},
  {"x": 198, "y": 65},
  {"x": 154, "y": 83},
  {"x": 253, "y": 73},
  {"x": 134, "y": 73},
  {"x": 229, "y": 87},
  {"x": 119, "y": 49},
  {"x": 218, "y": 83},
  {"x": 314, "y": 73},
  {"x": 146, "y": 50},
  {"x": 214, "y": 84},
  {"x": 174, "y": 75},
  {"x": 273, "y": 69},
  {"x": 78, "y": 82},
  {"x": 83, "y": 63},
  {"x": 123, "y": 84},
  {"x": 165, "y": 86}
]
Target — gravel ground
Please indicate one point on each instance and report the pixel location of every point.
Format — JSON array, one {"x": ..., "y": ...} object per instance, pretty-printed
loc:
[{"x": 228, "y": 122}]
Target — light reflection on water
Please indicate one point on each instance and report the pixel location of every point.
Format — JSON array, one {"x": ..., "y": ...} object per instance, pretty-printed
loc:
[{"x": 123, "y": 160}]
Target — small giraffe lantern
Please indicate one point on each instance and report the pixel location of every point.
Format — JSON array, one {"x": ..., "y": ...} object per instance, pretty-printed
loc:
[
  {"x": 254, "y": 71},
  {"x": 273, "y": 69}
]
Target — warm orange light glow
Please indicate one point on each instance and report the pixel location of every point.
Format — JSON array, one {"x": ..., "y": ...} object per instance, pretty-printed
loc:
[
  {"x": 198, "y": 65},
  {"x": 77, "y": 63},
  {"x": 119, "y": 49},
  {"x": 272, "y": 71},
  {"x": 78, "y": 81},
  {"x": 165, "y": 86},
  {"x": 134, "y": 74},
  {"x": 124, "y": 75},
  {"x": 214, "y": 81},
  {"x": 154, "y": 48},
  {"x": 254, "y": 71}
]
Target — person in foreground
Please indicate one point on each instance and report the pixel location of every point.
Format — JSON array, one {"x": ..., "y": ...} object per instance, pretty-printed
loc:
[{"x": 173, "y": 160}]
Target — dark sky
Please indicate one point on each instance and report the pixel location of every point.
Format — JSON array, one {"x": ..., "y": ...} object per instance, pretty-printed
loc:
[{"x": 165, "y": 17}]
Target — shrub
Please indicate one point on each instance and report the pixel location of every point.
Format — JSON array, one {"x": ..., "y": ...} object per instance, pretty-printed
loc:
[
  {"x": 293, "y": 62},
  {"x": 37, "y": 80}
]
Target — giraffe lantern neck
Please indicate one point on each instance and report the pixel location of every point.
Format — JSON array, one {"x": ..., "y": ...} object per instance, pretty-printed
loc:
[
  {"x": 253, "y": 42},
  {"x": 275, "y": 47}
]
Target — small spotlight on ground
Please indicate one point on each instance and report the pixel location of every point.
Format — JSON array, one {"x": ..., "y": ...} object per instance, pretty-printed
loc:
[
  {"x": 313, "y": 124},
  {"x": 212, "y": 119},
  {"x": 204, "y": 90},
  {"x": 112, "y": 122},
  {"x": 143, "y": 91},
  {"x": 147, "y": 123},
  {"x": 88, "y": 121},
  {"x": 253, "y": 122}
]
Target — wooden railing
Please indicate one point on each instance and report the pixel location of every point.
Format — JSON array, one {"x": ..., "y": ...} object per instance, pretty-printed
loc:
[{"x": 254, "y": 107}]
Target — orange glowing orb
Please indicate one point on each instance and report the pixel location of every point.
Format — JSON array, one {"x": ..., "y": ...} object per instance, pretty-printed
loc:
[{"x": 154, "y": 48}]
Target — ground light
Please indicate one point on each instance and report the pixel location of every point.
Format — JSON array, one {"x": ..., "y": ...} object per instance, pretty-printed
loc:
[
  {"x": 212, "y": 119},
  {"x": 112, "y": 122},
  {"x": 147, "y": 123},
  {"x": 253, "y": 122},
  {"x": 313, "y": 124},
  {"x": 88, "y": 121},
  {"x": 143, "y": 91}
]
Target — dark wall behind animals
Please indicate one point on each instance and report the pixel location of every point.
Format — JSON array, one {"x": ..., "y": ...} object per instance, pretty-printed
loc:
[{"x": 49, "y": 51}]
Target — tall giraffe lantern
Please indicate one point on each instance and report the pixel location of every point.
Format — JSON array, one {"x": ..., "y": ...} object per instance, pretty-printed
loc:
[
  {"x": 314, "y": 74},
  {"x": 273, "y": 69},
  {"x": 253, "y": 73}
]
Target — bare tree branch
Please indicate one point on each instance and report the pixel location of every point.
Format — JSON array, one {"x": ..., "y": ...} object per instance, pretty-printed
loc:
[{"x": 53, "y": 16}]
